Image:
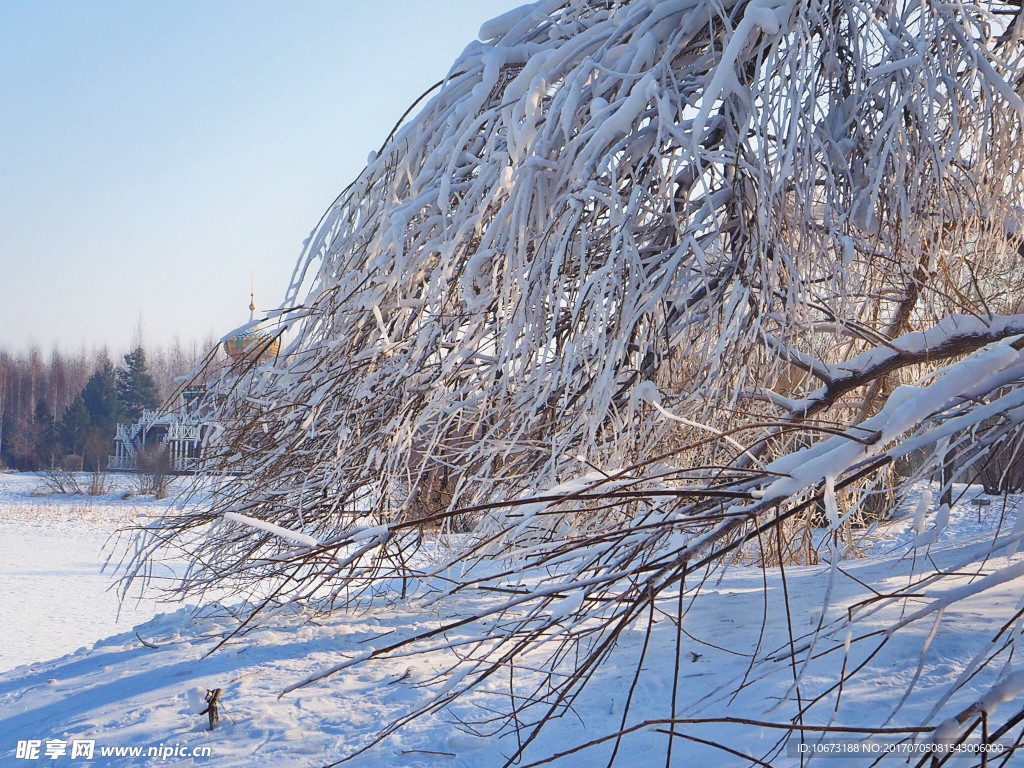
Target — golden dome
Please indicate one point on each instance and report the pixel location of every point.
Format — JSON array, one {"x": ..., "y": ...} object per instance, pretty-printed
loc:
[{"x": 252, "y": 343}]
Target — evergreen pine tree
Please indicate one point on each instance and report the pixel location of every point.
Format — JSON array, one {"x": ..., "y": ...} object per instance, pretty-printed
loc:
[
  {"x": 101, "y": 401},
  {"x": 136, "y": 390},
  {"x": 74, "y": 428},
  {"x": 44, "y": 431}
]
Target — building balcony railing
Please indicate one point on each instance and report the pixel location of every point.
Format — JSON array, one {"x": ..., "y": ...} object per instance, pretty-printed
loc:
[
  {"x": 128, "y": 464},
  {"x": 120, "y": 463}
]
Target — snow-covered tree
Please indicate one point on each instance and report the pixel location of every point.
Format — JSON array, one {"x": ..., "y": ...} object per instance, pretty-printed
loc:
[
  {"x": 643, "y": 288},
  {"x": 136, "y": 390}
]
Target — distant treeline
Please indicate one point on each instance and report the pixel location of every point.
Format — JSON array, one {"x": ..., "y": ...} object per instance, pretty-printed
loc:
[{"x": 61, "y": 410}]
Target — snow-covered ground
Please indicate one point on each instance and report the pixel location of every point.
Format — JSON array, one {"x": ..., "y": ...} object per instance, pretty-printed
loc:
[
  {"x": 54, "y": 595},
  {"x": 143, "y": 687}
]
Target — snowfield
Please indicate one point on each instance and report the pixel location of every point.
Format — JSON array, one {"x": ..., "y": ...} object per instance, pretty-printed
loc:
[
  {"x": 144, "y": 686},
  {"x": 53, "y": 594}
]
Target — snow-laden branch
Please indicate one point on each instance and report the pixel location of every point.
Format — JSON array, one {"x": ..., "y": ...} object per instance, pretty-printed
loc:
[
  {"x": 906, "y": 408},
  {"x": 953, "y": 336},
  {"x": 276, "y": 530}
]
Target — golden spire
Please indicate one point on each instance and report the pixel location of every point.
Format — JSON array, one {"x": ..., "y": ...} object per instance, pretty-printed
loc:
[{"x": 252, "y": 295}]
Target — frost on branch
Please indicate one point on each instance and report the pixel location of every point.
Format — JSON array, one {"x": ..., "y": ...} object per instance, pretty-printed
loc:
[{"x": 685, "y": 264}]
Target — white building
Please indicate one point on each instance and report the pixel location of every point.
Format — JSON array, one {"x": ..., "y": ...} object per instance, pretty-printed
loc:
[{"x": 171, "y": 439}]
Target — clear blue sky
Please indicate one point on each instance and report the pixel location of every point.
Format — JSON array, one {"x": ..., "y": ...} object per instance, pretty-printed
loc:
[{"x": 152, "y": 154}]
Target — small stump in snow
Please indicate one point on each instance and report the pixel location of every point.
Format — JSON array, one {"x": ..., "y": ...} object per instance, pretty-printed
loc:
[
  {"x": 979, "y": 503},
  {"x": 212, "y": 699}
]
